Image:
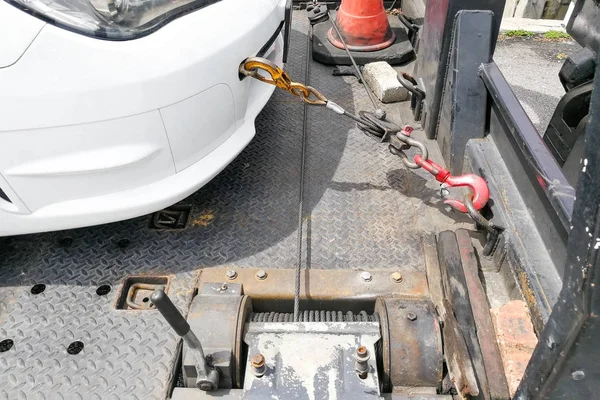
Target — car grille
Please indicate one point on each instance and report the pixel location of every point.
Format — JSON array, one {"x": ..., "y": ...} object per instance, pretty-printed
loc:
[{"x": 3, "y": 196}]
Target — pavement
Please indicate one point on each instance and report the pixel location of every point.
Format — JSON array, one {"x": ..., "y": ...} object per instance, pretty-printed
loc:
[{"x": 531, "y": 66}]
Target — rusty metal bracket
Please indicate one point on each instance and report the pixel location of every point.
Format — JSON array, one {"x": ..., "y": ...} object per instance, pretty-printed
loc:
[
  {"x": 316, "y": 286},
  {"x": 412, "y": 353}
]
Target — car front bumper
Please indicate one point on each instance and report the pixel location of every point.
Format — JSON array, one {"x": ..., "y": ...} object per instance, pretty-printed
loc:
[{"x": 97, "y": 139}]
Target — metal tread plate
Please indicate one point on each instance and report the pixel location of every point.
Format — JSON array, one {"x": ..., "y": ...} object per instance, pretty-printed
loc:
[{"x": 361, "y": 210}]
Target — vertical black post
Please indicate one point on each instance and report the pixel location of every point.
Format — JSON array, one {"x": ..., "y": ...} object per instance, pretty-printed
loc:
[
  {"x": 566, "y": 361},
  {"x": 463, "y": 108},
  {"x": 434, "y": 50}
]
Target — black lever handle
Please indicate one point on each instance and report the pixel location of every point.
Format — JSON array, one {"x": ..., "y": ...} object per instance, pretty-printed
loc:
[
  {"x": 168, "y": 310},
  {"x": 207, "y": 376}
]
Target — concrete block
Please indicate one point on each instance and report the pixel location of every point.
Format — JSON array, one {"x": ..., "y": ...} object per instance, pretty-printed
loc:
[
  {"x": 383, "y": 81},
  {"x": 516, "y": 340}
]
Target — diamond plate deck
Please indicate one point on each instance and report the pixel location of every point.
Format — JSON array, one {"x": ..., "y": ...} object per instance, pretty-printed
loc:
[{"x": 362, "y": 210}]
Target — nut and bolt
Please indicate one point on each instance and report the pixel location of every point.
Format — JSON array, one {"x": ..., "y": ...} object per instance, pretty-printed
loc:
[
  {"x": 361, "y": 366},
  {"x": 411, "y": 316},
  {"x": 231, "y": 274},
  {"x": 258, "y": 365},
  {"x": 261, "y": 275},
  {"x": 366, "y": 276},
  {"x": 396, "y": 277}
]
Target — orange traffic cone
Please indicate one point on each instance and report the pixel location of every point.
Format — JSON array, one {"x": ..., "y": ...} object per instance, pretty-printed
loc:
[{"x": 363, "y": 25}]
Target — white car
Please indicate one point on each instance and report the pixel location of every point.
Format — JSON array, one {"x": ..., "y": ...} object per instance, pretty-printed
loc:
[{"x": 112, "y": 109}]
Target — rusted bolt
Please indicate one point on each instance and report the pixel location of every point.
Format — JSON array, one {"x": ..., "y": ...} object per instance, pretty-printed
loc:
[
  {"x": 366, "y": 276},
  {"x": 396, "y": 277},
  {"x": 258, "y": 365},
  {"x": 231, "y": 274},
  {"x": 411, "y": 316},
  {"x": 361, "y": 366},
  {"x": 261, "y": 275}
]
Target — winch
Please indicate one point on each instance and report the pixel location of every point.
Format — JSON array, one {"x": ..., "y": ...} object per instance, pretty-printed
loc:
[{"x": 368, "y": 335}]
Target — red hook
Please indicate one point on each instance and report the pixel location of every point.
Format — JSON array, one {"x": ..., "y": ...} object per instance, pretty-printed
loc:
[{"x": 481, "y": 192}]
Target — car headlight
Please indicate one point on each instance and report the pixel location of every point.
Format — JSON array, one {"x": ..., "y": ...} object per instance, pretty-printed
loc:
[{"x": 110, "y": 19}]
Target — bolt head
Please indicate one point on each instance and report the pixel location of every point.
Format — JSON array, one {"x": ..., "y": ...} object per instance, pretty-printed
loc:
[
  {"x": 411, "y": 316},
  {"x": 396, "y": 277},
  {"x": 231, "y": 274},
  {"x": 366, "y": 276},
  {"x": 261, "y": 274},
  {"x": 224, "y": 287},
  {"x": 257, "y": 360}
]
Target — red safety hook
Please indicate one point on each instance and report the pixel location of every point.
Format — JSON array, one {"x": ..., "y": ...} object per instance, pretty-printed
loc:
[{"x": 481, "y": 192}]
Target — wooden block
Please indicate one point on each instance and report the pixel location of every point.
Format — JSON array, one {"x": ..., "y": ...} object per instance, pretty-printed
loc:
[{"x": 516, "y": 339}]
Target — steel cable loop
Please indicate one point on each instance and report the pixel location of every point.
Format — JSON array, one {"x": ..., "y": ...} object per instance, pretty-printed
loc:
[{"x": 369, "y": 123}]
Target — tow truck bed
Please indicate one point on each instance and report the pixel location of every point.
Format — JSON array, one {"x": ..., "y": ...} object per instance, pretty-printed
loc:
[{"x": 360, "y": 209}]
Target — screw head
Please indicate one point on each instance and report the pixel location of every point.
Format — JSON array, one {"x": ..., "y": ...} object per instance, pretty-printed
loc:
[
  {"x": 396, "y": 277},
  {"x": 366, "y": 276},
  {"x": 411, "y": 316},
  {"x": 578, "y": 375},
  {"x": 224, "y": 287},
  {"x": 261, "y": 275},
  {"x": 231, "y": 274}
]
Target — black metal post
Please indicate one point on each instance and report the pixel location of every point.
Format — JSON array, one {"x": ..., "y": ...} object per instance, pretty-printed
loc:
[
  {"x": 434, "y": 50},
  {"x": 463, "y": 106}
]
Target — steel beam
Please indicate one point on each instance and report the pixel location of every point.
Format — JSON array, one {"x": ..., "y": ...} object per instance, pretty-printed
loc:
[
  {"x": 542, "y": 167},
  {"x": 541, "y": 182}
]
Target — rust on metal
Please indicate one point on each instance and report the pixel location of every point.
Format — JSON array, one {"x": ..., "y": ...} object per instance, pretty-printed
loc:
[
  {"x": 396, "y": 277},
  {"x": 321, "y": 285},
  {"x": 492, "y": 360},
  {"x": 530, "y": 299},
  {"x": 257, "y": 360},
  {"x": 135, "y": 291},
  {"x": 238, "y": 346},
  {"x": 412, "y": 355},
  {"x": 434, "y": 275},
  {"x": 459, "y": 363}
]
